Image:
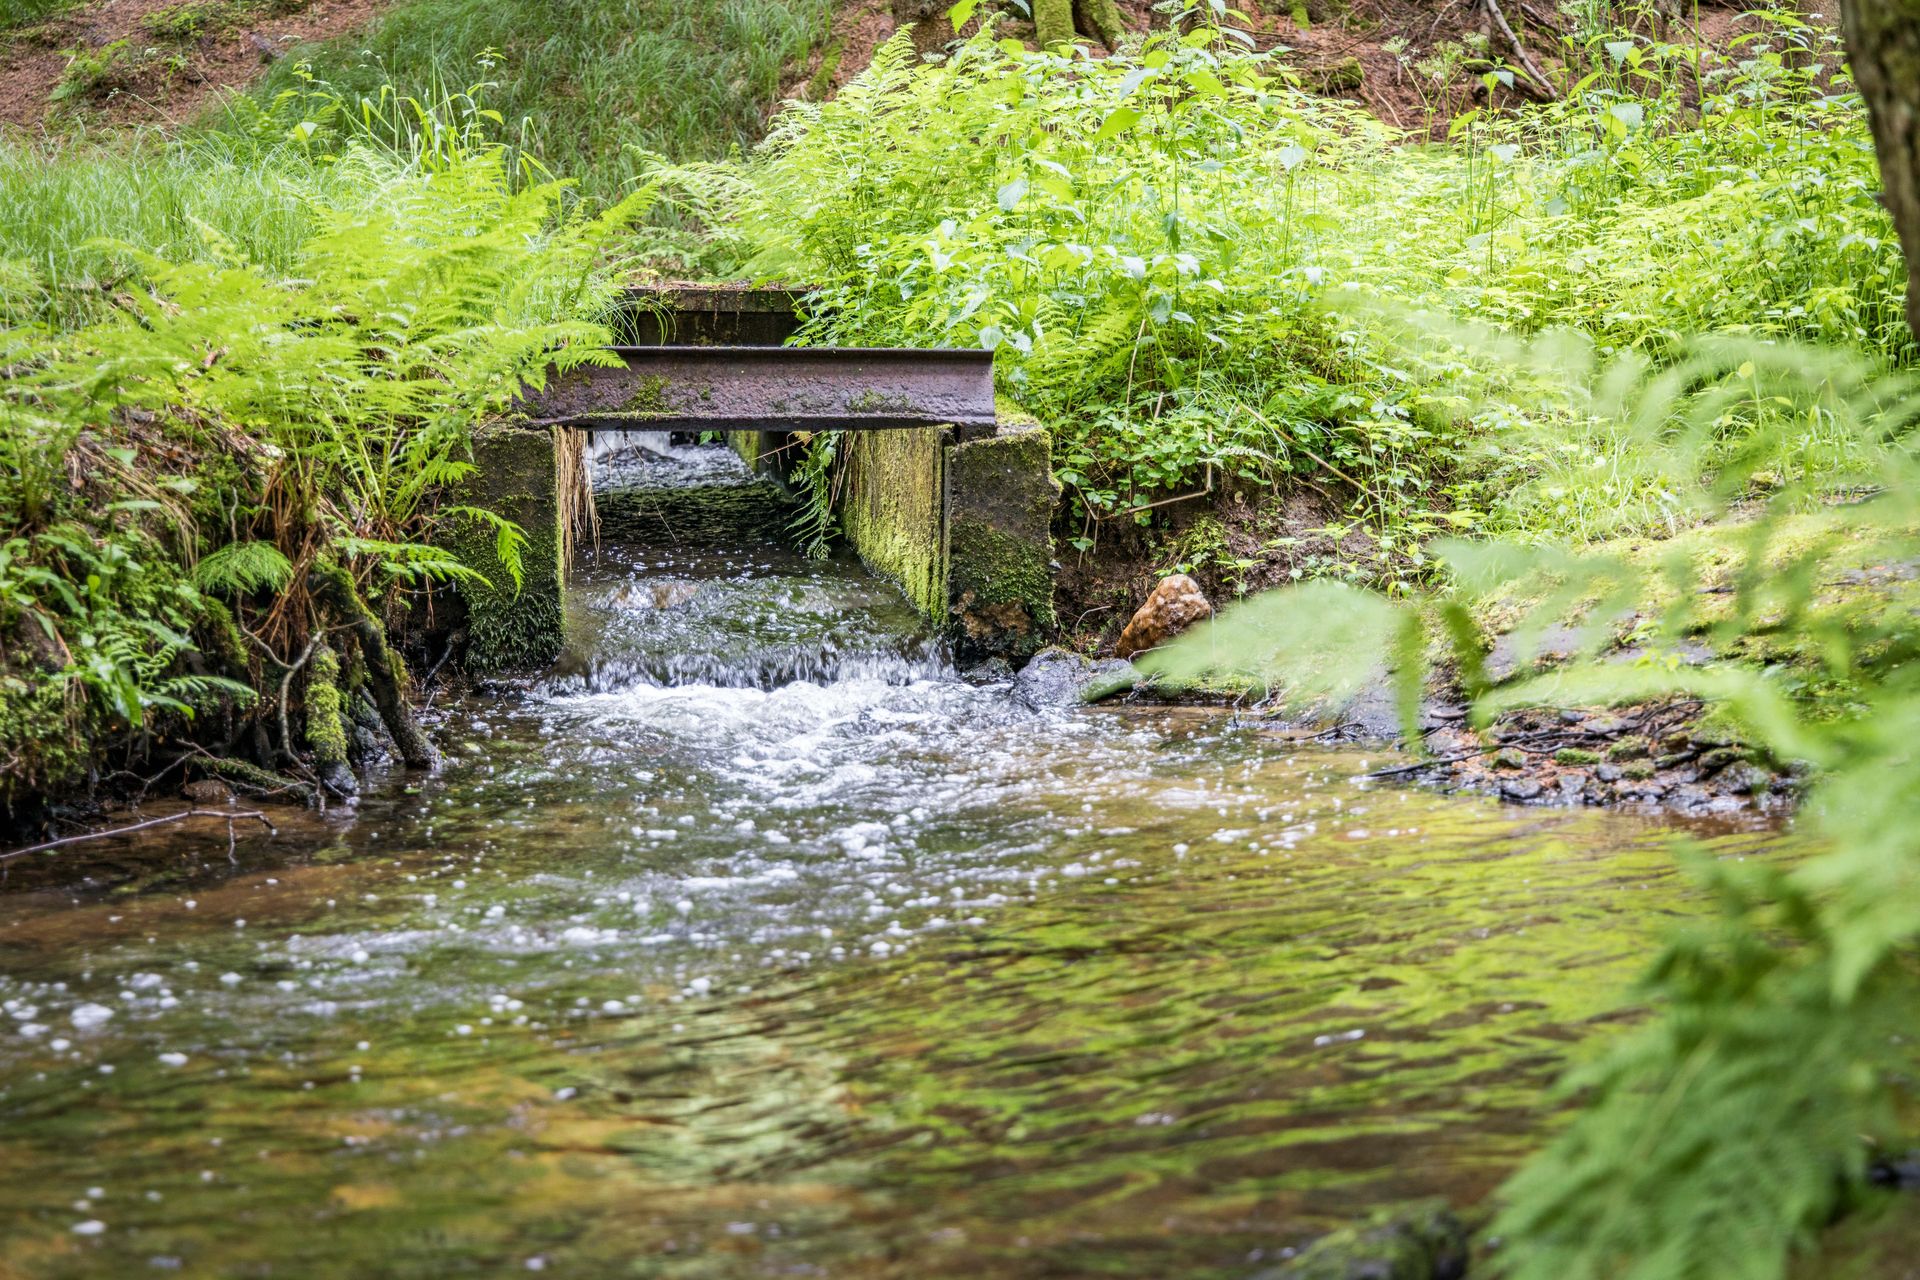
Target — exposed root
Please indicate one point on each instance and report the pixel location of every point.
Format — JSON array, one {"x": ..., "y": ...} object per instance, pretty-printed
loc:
[
  {"x": 229, "y": 817},
  {"x": 386, "y": 675}
]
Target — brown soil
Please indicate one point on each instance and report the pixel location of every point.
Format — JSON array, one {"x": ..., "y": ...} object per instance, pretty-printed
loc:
[
  {"x": 1236, "y": 541},
  {"x": 155, "y": 78},
  {"x": 1340, "y": 48}
]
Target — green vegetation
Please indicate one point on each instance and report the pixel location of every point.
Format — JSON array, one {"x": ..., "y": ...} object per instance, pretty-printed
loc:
[
  {"x": 1192, "y": 269},
  {"x": 15, "y": 14},
  {"x": 596, "y": 89},
  {"x": 213, "y": 461},
  {"x": 1634, "y": 359},
  {"x": 1621, "y": 315}
]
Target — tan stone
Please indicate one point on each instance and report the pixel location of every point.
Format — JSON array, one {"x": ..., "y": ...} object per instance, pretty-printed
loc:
[{"x": 1176, "y": 604}]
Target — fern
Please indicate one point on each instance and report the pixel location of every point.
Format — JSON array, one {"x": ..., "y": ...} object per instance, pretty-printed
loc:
[
  {"x": 1714, "y": 1140},
  {"x": 243, "y": 567}
]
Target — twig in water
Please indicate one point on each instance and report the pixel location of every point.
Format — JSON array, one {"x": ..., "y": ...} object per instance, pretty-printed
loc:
[
  {"x": 229, "y": 818},
  {"x": 1428, "y": 764}
]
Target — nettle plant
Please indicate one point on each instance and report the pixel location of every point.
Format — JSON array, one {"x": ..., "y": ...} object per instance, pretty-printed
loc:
[
  {"x": 1191, "y": 268},
  {"x": 1133, "y": 235}
]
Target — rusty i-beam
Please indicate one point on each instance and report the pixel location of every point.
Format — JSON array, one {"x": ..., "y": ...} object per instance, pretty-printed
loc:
[
  {"x": 944, "y": 491},
  {"x": 773, "y": 389}
]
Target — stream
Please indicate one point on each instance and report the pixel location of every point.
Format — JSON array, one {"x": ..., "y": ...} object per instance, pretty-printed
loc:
[{"x": 752, "y": 940}]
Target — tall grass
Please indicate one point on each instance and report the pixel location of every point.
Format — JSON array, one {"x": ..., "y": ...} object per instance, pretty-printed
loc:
[
  {"x": 22, "y": 13},
  {"x": 589, "y": 86},
  {"x": 62, "y": 199}
]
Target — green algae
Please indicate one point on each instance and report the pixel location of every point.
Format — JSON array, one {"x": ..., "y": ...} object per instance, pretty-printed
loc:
[
  {"x": 516, "y": 478},
  {"x": 891, "y": 511}
]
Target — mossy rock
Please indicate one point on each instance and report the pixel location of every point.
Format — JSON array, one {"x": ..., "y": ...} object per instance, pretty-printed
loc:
[{"x": 1576, "y": 755}]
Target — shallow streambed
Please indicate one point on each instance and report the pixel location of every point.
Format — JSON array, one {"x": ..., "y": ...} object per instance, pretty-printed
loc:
[{"x": 754, "y": 942}]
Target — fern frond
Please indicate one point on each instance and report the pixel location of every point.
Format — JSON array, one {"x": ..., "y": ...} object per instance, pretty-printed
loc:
[{"x": 240, "y": 568}]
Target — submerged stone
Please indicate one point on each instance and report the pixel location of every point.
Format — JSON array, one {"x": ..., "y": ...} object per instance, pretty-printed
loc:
[{"x": 1419, "y": 1242}]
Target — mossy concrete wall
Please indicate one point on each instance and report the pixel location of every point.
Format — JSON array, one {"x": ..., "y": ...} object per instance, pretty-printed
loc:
[
  {"x": 516, "y": 476},
  {"x": 1000, "y": 494},
  {"x": 964, "y": 525},
  {"x": 892, "y": 509}
]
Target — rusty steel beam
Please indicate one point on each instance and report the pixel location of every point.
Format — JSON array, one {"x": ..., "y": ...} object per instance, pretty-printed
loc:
[{"x": 771, "y": 389}]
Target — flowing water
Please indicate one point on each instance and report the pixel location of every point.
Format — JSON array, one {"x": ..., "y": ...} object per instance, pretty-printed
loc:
[{"x": 752, "y": 941}]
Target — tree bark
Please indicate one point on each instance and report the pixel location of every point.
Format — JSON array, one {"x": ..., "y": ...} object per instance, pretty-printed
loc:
[
  {"x": 1099, "y": 18},
  {"x": 1058, "y": 22},
  {"x": 1883, "y": 44}
]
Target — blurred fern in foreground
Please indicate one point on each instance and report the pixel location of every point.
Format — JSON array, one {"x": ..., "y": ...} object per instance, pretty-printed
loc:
[{"x": 1719, "y": 1135}]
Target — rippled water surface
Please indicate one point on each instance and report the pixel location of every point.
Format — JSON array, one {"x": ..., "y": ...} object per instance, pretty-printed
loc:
[{"x": 753, "y": 942}]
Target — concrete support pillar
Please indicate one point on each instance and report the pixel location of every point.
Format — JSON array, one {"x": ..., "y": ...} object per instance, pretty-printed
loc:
[
  {"x": 1000, "y": 494},
  {"x": 893, "y": 510},
  {"x": 963, "y": 525},
  {"x": 516, "y": 477}
]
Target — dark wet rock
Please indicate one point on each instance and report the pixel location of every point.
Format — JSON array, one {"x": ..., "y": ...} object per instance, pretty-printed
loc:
[
  {"x": 1057, "y": 677},
  {"x": 1523, "y": 788},
  {"x": 1899, "y": 1171},
  {"x": 1175, "y": 604},
  {"x": 1373, "y": 712},
  {"x": 1551, "y": 646},
  {"x": 1653, "y": 754},
  {"x": 368, "y": 743},
  {"x": 1720, "y": 757},
  {"x": 368, "y": 748},
  {"x": 992, "y": 671},
  {"x": 1419, "y": 1242}
]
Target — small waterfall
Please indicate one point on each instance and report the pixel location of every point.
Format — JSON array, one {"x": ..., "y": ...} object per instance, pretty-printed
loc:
[{"x": 696, "y": 584}]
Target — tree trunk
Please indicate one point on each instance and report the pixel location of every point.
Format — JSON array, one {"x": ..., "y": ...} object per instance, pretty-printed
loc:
[
  {"x": 1054, "y": 22},
  {"x": 1099, "y": 18},
  {"x": 1883, "y": 44}
]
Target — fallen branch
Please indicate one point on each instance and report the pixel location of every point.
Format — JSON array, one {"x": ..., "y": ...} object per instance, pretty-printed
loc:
[
  {"x": 1434, "y": 763},
  {"x": 229, "y": 818},
  {"x": 1520, "y": 50}
]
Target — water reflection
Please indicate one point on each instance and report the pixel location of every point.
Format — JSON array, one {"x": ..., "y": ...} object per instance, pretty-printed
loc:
[{"x": 850, "y": 969}]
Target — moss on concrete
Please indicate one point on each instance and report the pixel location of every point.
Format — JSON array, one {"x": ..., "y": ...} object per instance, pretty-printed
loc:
[
  {"x": 1000, "y": 499},
  {"x": 517, "y": 478},
  {"x": 649, "y": 398},
  {"x": 891, "y": 511}
]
